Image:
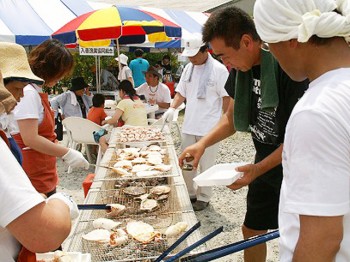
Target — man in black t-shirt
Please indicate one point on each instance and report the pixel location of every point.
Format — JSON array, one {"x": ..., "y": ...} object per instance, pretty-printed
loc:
[{"x": 263, "y": 97}]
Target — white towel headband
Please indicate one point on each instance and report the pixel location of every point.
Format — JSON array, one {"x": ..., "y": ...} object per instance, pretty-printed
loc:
[{"x": 282, "y": 20}]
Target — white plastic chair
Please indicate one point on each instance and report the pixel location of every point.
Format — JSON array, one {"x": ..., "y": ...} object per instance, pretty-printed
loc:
[{"x": 80, "y": 131}]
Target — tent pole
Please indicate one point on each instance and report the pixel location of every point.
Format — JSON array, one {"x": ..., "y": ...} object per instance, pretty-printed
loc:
[{"x": 118, "y": 53}]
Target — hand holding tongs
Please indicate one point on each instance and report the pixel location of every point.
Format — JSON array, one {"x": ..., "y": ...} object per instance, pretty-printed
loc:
[{"x": 191, "y": 247}]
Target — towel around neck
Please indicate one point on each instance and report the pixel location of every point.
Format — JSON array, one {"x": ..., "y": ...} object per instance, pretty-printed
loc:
[{"x": 243, "y": 91}]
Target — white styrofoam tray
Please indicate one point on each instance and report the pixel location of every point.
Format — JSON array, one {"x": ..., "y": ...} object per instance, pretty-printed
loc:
[
  {"x": 74, "y": 256},
  {"x": 219, "y": 175}
]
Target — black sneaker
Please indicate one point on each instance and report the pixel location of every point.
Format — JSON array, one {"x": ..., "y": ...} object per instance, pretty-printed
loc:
[{"x": 200, "y": 205}]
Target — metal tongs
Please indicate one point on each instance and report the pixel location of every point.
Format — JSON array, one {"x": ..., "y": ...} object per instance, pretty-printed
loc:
[
  {"x": 94, "y": 207},
  {"x": 189, "y": 248},
  {"x": 232, "y": 248}
]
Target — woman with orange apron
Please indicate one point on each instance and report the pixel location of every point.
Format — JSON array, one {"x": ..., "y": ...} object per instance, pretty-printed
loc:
[{"x": 51, "y": 61}]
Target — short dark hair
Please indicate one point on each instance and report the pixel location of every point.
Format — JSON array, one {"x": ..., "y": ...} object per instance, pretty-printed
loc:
[
  {"x": 230, "y": 24},
  {"x": 166, "y": 57},
  {"x": 138, "y": 52},
  {"x": 204, "y": 48},
  {"x": 98, "y": 100}
]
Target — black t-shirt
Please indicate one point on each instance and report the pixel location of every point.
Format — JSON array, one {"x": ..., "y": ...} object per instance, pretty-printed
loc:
[
  {"x": 268, "y": 127},
  {"x": 82, "y": 105}
]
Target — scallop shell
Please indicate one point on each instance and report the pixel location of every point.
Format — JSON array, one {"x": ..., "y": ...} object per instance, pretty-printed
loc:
[
  {"x": 126, "y": 164},
  {"x": 138, "y": 161},
  {"x": 116, "y": 210},
  {"x": 134, "y": 191},
  {"x": 105, "y": 223},
  {"x": 147, "y": 173},
  {"x": 154, "y": 160},
  {"x": 120, "y": 171},
  {"x": 176, "y": 229},
  {"x": 160, "y": 190},
  {"x": 154, "y": 148},
  {"x": 162, "y": 167},
  {"x": 131, "y": 150},
  {"x": 149, "y": 204},
  {"x": 118, "y": 238},
  {"x": 142, "y": 167},
  {"x": 98, "y": 235},
  {"x": 141, "y": 231},
  {"x": 154, "y": 154},
  {"x": 135, "y": 228}
]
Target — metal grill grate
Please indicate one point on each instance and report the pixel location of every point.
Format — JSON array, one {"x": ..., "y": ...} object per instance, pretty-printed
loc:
[
  {"x": 134, "y": 250},
  {"x": 177, "y": 201}
]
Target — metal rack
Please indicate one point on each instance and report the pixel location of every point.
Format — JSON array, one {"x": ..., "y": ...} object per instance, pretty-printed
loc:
[{"x": 110, "y": 189}]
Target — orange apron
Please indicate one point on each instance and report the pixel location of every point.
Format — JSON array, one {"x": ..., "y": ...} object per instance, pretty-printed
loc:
[
  {"x": 41, "y": 168},
  {"x": 24, "y": 255}
]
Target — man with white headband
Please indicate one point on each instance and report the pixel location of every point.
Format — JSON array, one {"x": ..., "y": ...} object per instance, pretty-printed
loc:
[
  {"x": 263, "y": 97},
  {"x": 310, "y": 40}
]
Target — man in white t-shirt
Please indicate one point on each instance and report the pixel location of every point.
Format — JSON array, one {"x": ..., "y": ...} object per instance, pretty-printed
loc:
[
  {"x": 202, "y": 85},
  {"x": 154, "y": 91},
  {"x": 311, "y": 40}
]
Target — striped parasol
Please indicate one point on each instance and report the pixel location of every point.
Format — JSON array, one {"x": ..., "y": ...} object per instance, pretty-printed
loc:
[{"x": 128, "y": 25}]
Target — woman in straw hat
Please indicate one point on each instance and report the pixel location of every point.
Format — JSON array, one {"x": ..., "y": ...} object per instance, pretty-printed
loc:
[
  {"x": 125, "y": 72},
  {"x": 16, "y": 77},
  {"x": 51, "y": 61},
  {"x": 26, "y": 216}
]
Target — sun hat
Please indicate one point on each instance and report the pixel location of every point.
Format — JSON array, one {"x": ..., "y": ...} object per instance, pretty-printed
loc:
[
  {"x": 154, "y": 71},
  {"x": 192, "y": 45},
  {"x": 123, "y": 59},
  {"x": 78, "y": 83},
  {"x": 14, "y": 64}
]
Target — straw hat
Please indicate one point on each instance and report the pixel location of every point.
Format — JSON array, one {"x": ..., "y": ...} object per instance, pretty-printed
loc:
[
  {"x": 123, "y": 59},
  {"x": 14, "y": 64}
]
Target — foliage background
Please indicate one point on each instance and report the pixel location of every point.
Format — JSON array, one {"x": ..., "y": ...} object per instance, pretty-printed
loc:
[{"x": 84, "y": 64}]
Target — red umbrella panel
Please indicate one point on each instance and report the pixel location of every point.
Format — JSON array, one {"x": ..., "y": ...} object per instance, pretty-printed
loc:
[{"x": 129, "y": 25}]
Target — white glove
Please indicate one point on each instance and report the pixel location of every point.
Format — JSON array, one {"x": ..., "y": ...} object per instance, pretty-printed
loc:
[
  {"x": 68, "y": 200},
  {"x": 75, "y": 158},
  {"x": 108, "y": 117},
  {"x": 169, "y": 115}
]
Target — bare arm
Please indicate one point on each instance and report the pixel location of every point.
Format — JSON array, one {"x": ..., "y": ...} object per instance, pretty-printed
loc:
[
  {"x": 131, "y": 80},
  {"x": 42, "y": 228},
  {"x": 222, "y": 130},
  {"x": 319, "y": 238},
  {"x": 177, "y": 101},
  {"x": 252, "y": 171},
  {"x": 114, "y": 120},
  {"x": 31, "y": 138},
  {"x": 163, "y": 105}
]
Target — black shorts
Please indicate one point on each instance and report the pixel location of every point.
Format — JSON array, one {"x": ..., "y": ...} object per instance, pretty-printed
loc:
[{"x": 262, "y": 206}]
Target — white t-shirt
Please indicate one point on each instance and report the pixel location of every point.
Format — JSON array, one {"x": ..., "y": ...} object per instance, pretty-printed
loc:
[
  {"x": 159, "y": 93},
  {"x": 316, "y": 160},
  {"x": 201, "y": 115},
  {"x": 17, "y": 197},
  {"x": 125, "y": 73},
  {"x": 30, "y": 106}
]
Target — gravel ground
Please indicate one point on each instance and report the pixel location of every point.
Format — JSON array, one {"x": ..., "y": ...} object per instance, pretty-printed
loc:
[{"x": 227, "y": 207}]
